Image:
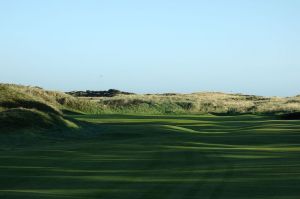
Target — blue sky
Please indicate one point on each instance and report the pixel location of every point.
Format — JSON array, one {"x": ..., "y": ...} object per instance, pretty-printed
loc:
[{"x": 247, "y": 46}]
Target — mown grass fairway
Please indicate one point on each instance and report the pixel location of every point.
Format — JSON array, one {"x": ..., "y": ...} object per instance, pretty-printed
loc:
[{"x": 168, "y": 157}]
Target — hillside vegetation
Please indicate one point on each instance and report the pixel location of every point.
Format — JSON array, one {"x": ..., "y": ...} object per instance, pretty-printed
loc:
[
  {"x": 25, "y": 107},
  {"x": 198, "y": 103}
]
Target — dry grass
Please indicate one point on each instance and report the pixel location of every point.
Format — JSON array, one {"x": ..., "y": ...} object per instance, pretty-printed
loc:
[
  {"x": 31, "y": 107},
  {"x": 205, "y": 102},
  {"x": 17, "y": 96}
]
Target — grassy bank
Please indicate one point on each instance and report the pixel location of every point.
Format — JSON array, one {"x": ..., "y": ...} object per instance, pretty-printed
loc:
[
  {"x": 197, "y": 103},
  {"x": 33, "y": 108},
  {"x": 25, "y": 107}
]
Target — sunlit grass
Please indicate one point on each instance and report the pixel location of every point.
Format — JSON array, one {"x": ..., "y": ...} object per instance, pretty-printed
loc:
[{"x": 131, "y": 156}]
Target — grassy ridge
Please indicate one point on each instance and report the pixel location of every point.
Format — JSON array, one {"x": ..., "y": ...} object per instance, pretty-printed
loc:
[
  {"x": 23, "y": 107},
  {"x": 197, "y": 103},
  {"x": 32, "y": 107},
  {"x": 13, "y": 96},
  {"x": 168, "y": 157}
]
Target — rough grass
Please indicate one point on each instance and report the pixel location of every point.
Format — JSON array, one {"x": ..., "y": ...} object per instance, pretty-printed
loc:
[
  {"x": 14, "y": 96},
  {"x": 24, "y": 107},
  {"x": 36, "y": 102},
  {"x": 161, "y": 157},
  {"x": 21, "y": 118},
  {"x": 198, "y": 103}
]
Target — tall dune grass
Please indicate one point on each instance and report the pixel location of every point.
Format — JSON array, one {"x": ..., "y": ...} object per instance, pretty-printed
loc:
[
  {"x": 32, "y": 107},
  {"x": 17, "y": 96},
  {"x": 198, "y": 103}
]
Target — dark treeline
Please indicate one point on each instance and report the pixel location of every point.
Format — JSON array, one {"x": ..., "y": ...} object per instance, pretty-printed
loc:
[{"x": 89, "y": 93}]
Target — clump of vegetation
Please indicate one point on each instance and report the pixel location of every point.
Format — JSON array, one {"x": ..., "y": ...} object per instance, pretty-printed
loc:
[
  {"x": 108, "y": 93},
  {"x": 291, "y": 116}
]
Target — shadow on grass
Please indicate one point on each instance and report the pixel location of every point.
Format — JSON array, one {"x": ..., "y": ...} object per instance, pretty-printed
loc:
[
  {"x": 134, "y": 161},
  {"x": 30, "y": 104}
]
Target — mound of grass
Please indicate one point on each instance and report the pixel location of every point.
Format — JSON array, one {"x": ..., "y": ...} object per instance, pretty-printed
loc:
[
  {"x": 30, "y": 104},
  {"x": 23, "y": 107},
  {"x": 14, "y": 96},
  {"x": 22, "y": 118}
]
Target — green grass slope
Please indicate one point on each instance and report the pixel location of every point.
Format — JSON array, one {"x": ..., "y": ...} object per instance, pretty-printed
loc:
[
  {"x": 161, "y": 157},
  {"x": 22, "y": 118},
  {"x": 23, "y": 107},
  {"x": 12, "y": 96}
]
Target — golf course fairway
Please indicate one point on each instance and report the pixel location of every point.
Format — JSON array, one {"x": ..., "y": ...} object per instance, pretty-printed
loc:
[{"x": 159, "y": 157}]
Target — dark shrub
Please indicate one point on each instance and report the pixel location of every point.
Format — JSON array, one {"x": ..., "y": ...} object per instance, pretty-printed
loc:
[{"x": 291, "y": 116}]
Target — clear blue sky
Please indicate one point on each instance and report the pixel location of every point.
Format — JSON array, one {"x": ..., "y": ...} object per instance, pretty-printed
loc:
[{"x": 248, "y": 46}]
